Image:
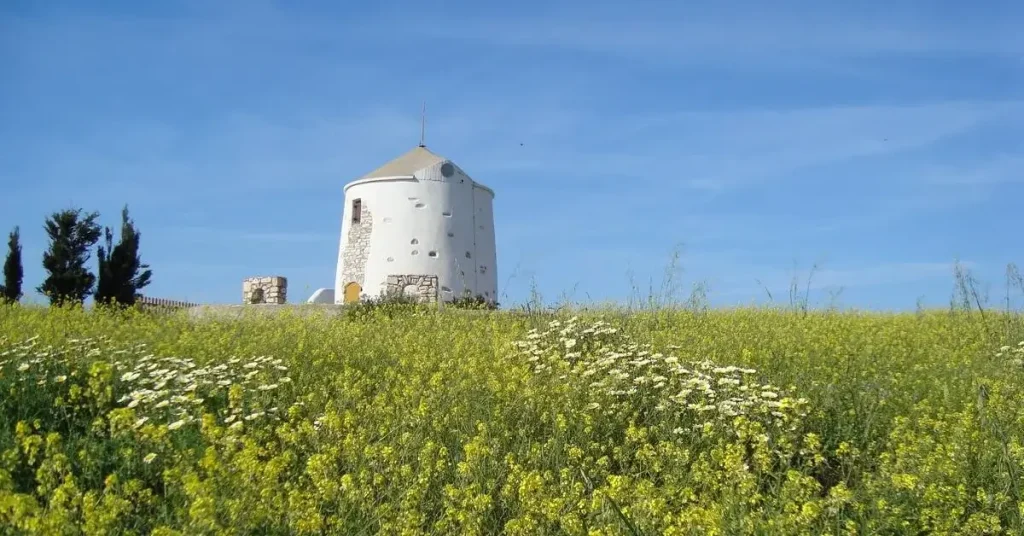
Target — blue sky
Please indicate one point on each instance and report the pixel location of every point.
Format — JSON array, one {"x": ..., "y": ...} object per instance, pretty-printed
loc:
[{"x": 881, "y": 140}]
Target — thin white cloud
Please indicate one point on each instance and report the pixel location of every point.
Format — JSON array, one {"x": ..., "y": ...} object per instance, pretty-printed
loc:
[
  {"x": 291, "y": 238},
  {"x": 1002, "y": 169},
  {"x": 884, "y": 274},
  {"x": 778, "y": 281},
  {"x": 728, "y": 274},
  {"x": 776, "y": 37},
  {"x": 750, "y": 35},
  {"x": 221, "y": 235},
  {"x": 709, "y": 150}
]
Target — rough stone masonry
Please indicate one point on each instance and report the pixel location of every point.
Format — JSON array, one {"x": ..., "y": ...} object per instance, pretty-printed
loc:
[
  {"x": 357, "y": 249},
  {"x": 421, "y": 287},
  {"x": 272, "y": 289}
]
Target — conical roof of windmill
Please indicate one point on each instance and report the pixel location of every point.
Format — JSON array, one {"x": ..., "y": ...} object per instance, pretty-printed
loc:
[{"x": 417, "y": 159}]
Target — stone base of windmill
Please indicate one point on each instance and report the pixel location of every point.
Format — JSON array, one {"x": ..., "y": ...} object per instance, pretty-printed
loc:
[
  {"x": 273, "y": 289},
  {"x": 423, "y": 288}
]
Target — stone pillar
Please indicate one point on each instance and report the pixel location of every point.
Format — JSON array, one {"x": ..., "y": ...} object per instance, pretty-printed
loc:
[{"x": 272, "y": 289}]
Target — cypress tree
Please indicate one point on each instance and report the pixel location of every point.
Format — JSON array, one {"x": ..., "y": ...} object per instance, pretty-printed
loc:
[
  {"x": 10, "y": 291},
  {"x": 72, "y": 235},
  {"x": 106, "y": 283},
  {"x": 121, "y": 271}
]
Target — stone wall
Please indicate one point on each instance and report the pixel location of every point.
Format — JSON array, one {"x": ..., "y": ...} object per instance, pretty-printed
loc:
[
  {"x": 423, "y": 287},
  {"x": 265, "y": 290},
  {"x": 357, "y": 249}
]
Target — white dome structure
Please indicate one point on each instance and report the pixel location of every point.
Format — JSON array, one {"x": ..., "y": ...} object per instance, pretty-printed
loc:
[{"x": 417, "y": 225}]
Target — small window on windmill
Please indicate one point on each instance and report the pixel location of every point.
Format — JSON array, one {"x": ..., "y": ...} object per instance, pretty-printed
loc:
[{"x": 357, "y": 210}]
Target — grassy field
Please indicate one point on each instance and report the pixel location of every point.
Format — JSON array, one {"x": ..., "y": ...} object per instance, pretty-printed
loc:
[{"x": 661, "y": 422}]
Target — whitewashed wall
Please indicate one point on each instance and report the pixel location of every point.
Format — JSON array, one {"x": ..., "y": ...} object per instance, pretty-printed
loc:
[
  {"x": 486, "y": 251},
  {"x": 451, "y": 217}
]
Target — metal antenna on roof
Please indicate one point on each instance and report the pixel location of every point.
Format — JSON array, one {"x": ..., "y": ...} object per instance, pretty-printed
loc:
[{"x": 423, "y": 125}]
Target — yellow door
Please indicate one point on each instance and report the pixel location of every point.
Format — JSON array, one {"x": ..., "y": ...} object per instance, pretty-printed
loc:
[{"x": 352, "y": 291}]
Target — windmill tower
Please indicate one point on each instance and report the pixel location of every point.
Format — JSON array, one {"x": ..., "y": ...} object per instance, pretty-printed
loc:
[{"x": 417, "y": 225}]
